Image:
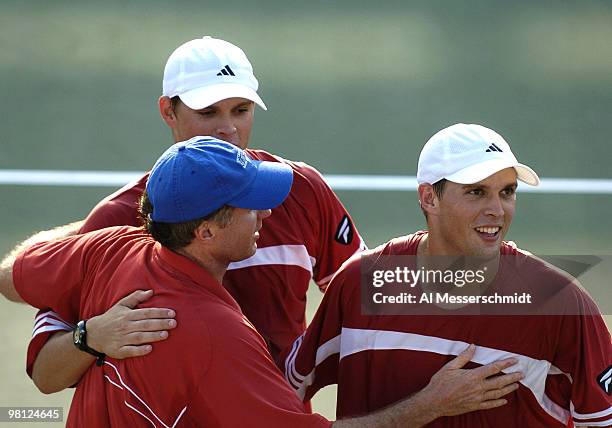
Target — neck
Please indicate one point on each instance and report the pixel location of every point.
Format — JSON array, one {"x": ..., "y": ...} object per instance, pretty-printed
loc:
[
  {"x": 213, "y": 266},
  {"x": 423, "y": 248},
  {"x": 431, "y": 246}
]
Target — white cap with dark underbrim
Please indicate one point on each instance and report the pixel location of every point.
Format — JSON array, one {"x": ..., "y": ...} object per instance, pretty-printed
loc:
[
  {"x": 468, "y": 153},
  {"x": 208, "y": 70}
]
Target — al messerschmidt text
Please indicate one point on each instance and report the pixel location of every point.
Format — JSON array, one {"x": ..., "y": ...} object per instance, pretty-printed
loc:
[{"x": 449, "y": 298}]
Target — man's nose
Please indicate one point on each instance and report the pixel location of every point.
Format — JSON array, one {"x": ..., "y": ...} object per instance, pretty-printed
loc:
[
  {"x": 225, "y": 126},
  {"x": 494, "y": 207},
  {"x": 264, "y": 213}
]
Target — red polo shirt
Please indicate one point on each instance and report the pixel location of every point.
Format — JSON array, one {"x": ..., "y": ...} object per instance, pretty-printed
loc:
[
  {"x": 213, "y": 370},
  {"x": 379, "y": 359}
]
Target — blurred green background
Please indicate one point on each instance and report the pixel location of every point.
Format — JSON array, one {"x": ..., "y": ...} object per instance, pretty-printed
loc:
[{"x": 352, "y": 87}]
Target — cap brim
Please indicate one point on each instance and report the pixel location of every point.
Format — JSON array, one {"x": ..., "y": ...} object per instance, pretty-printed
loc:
[
  {"x": 200, "y": 98},
  {"x": 268, "y": 190},
  {"x": 475, "y": 173}
]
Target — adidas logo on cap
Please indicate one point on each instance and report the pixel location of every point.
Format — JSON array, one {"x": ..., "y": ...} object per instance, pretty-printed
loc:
[
  {"x": 226, "y": 71},
  {"x": 494, "y": 148}
]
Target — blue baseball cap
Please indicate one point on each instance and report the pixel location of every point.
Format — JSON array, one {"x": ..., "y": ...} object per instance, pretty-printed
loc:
[{"x": 194, "y": 178}]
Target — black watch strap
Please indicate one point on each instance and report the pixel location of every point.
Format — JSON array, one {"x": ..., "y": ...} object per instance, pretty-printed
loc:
[{"x": 79, "y": 338}]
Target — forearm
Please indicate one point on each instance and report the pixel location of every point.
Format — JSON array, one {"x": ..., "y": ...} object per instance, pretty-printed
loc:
[
  {"x": 412, "y": 412},
  {"x": 60, "y": 364}
]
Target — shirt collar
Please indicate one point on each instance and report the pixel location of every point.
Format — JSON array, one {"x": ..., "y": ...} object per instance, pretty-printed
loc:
[{"x": 194, "y": 272}]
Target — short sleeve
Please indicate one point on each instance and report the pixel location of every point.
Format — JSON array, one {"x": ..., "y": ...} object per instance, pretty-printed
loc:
[
  {"x": 337, "y": 237},
  {"x": 46, "y": 323},
  {"x": 585, "y": 352},
  {"x": 50, "y": 274}
]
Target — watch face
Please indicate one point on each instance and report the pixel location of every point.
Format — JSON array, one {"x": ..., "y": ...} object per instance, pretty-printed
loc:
[{"x": 78, "y": 336}]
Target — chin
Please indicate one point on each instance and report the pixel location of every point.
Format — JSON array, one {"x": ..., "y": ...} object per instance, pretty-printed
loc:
[
  {"x": 243, "y": 256},
  {"x": 487, "y": 253},
  {"x": 252, "y": 251},
  {"x": 236, "y": 142}
]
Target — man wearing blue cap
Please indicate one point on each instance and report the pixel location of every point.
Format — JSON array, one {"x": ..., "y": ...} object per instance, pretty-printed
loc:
[
  {"x": 182, "y": 255},
  {"x": 215, "y": 369}
]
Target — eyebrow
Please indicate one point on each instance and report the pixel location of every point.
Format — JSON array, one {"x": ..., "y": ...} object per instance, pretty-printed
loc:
[
  {"x": 484, "y": 186},
  {"x": 242, "y": 104}
]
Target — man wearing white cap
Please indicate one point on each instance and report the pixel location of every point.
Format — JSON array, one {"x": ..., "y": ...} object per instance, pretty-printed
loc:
[
  {"x": 381, "y": 333},
  {"x": 209, "y": 89}
]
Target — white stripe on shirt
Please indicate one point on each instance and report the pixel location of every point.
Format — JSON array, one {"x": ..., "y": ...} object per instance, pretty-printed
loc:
[
  {"x": 293, "y": 255},
  {"x": 536, "y": 371},
  {"x": 124, "y": 385},
  {"x": 352, "y": 341}
]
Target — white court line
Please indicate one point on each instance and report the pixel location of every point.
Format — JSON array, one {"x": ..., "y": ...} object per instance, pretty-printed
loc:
[
  {"x": 23, "y": 177},
  {"x": 32, "y": 177}
]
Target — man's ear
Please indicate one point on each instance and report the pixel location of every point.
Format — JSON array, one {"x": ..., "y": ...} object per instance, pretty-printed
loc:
[
  {"x": 205, "y": 232},
  {"x": 166, "y": 111},
  {"x": 428, "y": 199}
]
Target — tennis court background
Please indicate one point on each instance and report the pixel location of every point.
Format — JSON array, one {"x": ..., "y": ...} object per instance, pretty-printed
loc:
[{"x": 352, "y": 87}]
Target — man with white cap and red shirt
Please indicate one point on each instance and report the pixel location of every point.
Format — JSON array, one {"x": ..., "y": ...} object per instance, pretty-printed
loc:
[
  {"x": 379, "y": 341},
  {"x": 215, "y": 369},
  {"x": 209, "y": 89}
]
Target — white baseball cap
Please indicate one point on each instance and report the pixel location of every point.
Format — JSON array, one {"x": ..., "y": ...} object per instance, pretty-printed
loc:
[
  {"x": 466, "y": 154},
  {"x": 207, "y": 70}
]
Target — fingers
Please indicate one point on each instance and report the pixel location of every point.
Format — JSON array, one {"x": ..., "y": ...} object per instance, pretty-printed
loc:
[
  {"x": 150, "y": 313},
  {"x": 462, "y": 359},
  {"x": 139, "y": 344},
  {"x": 150, "y": 325},
  {"x": 134, "y": 299},
  {"x": 494, "y": 368},
  {"x": 130, "y": 351},
  {"x": 498, "y": 393},
  {"x": 491, "y": 404},
  {"x": 141, "y": 338},
  {"x": 502, "y": 381}
]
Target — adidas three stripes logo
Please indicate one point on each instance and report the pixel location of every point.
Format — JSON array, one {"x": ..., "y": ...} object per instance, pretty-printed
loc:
[
  {"x": 494, "y": 148},
  {"x": 226, "y": 71}
]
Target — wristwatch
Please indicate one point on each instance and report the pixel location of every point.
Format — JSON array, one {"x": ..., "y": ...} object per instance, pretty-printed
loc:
[{"x": 79, "y": 338}]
